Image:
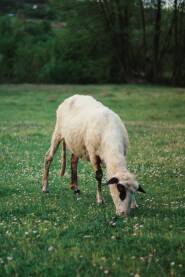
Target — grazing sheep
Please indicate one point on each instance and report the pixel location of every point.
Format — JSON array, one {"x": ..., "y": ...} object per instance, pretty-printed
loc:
[{"x": 93, "y": 132}]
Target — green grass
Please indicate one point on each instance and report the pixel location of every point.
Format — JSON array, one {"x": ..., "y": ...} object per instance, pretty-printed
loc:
[{"x": 55, "y": 235}]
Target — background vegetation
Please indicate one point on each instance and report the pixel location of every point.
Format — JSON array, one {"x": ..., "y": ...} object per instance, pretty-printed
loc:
[
  {"x": 91, "y": 41},
  {"x": 56, "y": 235}
]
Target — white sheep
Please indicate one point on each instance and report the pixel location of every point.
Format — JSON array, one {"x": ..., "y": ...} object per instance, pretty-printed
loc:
[{"x": 95, "y": 133}]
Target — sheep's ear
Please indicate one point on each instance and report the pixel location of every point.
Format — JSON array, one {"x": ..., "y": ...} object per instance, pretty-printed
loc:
[
  {"x": 113, "y": 180},
  {"x": 141, "y": 189}
]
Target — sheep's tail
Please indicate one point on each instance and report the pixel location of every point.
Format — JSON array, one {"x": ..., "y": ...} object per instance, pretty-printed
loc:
[{"x": 63, "y": 158}]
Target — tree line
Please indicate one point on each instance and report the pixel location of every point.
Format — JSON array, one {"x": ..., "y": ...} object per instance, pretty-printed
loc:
[{"x": 92, "y": 41}]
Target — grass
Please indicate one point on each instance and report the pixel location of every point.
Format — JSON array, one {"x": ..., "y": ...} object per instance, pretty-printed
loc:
[{"x": 55, "y": 235}]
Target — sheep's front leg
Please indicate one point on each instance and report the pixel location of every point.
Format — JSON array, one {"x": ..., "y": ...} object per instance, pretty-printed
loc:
[
  {"x": 74, "y": 176},
  {"x": 99, "y": 175},
  {"x": 99, "y": 198}
]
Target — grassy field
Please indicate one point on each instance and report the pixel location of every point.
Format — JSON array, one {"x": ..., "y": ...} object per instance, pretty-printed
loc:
[{"x": 55, "y": 235}]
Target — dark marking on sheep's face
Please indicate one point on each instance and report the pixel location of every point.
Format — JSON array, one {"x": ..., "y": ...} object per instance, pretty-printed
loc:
[
  {"x": 120, "y": 187},
  {"x": 122, "y": 191}
]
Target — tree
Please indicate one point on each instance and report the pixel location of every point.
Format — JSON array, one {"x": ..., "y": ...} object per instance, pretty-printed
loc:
[{"x": 156, "y": 41}]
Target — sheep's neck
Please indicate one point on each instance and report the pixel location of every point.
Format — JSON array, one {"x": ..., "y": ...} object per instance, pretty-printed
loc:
[{"x": 115, "y": 163}]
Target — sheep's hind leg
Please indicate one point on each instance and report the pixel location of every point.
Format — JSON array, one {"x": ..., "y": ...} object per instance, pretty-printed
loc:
[
  {"x": 74, "y": 175},
  {"x": 48, "y": 159},
  {"x": 63, "y": 159},
  {"x": 99, "y": 175}
]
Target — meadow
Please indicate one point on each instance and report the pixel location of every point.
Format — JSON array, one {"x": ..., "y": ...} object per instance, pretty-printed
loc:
[{"x": 56, "y": 235}]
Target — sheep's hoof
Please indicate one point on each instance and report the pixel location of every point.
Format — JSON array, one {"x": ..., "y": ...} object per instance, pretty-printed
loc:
[
  {"x": 77, "y": 194},
  {"x": 77, "y": 191},
  {"x": 45, "y": 190},
  {"x": 61, "y": 173},
  {"x": 100, "y": 201}
]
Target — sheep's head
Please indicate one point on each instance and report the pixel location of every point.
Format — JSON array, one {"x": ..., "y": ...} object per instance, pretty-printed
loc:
[{"x": 123, "y": 188}]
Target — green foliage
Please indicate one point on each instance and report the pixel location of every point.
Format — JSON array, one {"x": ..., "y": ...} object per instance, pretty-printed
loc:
[
  {"x": 56, "y": 235},
  {"x": 33, "y": 52},
  {"x": 92, "y": 42}
]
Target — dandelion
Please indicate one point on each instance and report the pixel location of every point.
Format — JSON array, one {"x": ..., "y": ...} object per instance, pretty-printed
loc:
[
  {"x": 50, "y": 248},
  {"x": 113, "y": 224},
  {"x": 106, "y": 271},
  {"x": 172, "y": 263},
  {"x": 9, "y": 258},
  {"x": 87, "y": 236}
]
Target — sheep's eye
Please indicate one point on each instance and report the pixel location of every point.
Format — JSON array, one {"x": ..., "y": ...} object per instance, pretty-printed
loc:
[{"x": 122, "y": 191}]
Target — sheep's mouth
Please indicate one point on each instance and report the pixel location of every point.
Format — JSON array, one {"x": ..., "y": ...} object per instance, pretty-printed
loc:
[{"x": 122, "y": 213}]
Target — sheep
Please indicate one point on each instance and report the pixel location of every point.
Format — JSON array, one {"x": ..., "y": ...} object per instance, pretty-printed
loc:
[{"x": 93, "y": 132}]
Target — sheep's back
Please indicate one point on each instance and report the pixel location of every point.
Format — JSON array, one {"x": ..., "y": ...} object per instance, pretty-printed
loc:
[{"x": 86, "y": 123}]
